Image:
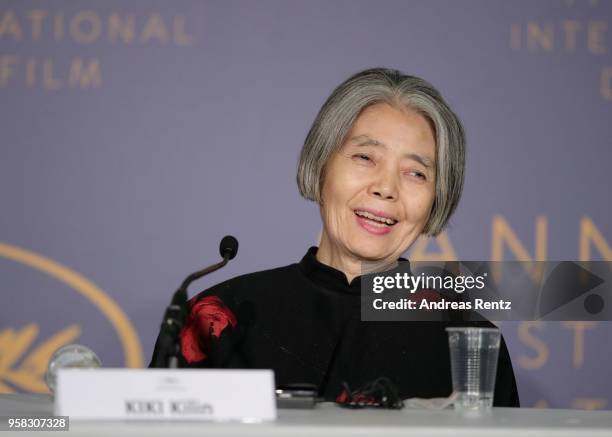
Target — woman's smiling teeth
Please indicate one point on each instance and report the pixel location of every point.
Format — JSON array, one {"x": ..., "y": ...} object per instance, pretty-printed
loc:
[{"x": 376, "y": 220}]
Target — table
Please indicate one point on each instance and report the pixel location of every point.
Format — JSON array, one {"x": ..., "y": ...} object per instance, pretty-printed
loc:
[{"x": 330, "y": 420}]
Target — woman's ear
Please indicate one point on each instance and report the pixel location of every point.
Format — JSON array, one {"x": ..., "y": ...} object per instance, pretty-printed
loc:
[{"x": 320, "y": 197}]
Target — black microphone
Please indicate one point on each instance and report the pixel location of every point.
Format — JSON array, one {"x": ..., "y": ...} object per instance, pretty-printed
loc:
[
  {"x": 168, "y": 347},
  {"x": 228, "y": 247}
]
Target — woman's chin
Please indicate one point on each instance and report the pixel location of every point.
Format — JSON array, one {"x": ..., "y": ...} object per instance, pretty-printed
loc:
[{"x": 373, "y": 253}]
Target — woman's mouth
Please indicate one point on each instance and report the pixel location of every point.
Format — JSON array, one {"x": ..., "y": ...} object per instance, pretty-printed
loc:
[{"x": 375, "y": 224}]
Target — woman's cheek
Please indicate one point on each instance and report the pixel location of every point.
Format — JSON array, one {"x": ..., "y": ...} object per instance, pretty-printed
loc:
[{"x": 418, "y": 208}]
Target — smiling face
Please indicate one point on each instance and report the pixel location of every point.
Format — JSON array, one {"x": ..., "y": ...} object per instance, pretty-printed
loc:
[{"x": 378, "y": 188}]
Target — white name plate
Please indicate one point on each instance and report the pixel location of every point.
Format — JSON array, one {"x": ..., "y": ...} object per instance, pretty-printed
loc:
[{"x": 166, "y": 394}]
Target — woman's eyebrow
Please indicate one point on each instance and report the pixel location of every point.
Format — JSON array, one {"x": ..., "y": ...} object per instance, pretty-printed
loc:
[
  {"x": 426, "y": 162},
  {"x": 364, "y": 140}
]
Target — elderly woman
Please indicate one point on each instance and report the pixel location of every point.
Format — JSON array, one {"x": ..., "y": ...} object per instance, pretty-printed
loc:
[{"x": 384, "y": 160}]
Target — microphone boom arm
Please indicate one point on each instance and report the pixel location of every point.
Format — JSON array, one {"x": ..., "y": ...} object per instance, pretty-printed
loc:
[{"x": 168, "y": 346}]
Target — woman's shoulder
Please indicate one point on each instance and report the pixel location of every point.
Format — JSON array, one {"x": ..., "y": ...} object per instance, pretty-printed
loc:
[
  {"x": 219, "y": 316},
  {"x": 255, "y": 283}
]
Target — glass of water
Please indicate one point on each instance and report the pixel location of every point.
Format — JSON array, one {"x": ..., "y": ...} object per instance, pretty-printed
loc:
[
  {"x": 473, "y": 355},
  {"x": 72, "y": 355}
]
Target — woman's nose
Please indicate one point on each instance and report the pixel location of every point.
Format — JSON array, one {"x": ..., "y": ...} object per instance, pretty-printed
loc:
[{"x": 384, "y": 187}]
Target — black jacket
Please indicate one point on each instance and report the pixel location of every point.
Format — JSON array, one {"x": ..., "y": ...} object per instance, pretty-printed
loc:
[{"x": 303, "y": 321}]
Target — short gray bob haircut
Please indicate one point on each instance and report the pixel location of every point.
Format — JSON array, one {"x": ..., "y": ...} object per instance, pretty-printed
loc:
[{"x": 382, "y": 85}]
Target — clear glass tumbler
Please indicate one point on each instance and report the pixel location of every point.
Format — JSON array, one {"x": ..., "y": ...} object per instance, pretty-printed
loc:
[
  {"x": 72, "y": 355},
  {"x": 473, "y": 355}
]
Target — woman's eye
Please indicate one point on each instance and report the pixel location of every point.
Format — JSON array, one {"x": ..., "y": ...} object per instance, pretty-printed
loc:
[
  {"x": 418, "y": 174},
  {"x": 362, "y": 157}
]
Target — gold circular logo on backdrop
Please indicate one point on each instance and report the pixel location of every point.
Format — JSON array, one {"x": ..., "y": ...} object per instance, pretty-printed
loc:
[{"x": 130, "y": 342}]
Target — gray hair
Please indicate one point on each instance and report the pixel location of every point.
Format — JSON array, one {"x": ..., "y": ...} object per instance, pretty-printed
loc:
[{"x": 381, "y": 85}]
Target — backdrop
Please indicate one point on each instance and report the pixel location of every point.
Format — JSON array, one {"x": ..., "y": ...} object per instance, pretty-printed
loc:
[{"x": 134, "y": 135}]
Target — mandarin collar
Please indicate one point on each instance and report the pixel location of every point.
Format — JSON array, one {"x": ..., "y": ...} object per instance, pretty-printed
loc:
[{"x": 327, "y": 276}]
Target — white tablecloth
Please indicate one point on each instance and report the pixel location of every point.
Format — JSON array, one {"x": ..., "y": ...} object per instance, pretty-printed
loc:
[{"x": 331, "y": 420}]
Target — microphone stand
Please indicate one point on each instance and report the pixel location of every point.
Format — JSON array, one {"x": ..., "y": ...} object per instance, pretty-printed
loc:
[{"x": 168, "y": 344}]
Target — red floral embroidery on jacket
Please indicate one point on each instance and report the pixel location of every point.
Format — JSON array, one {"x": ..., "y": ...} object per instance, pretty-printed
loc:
[{"x": 207, "y": 319}]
